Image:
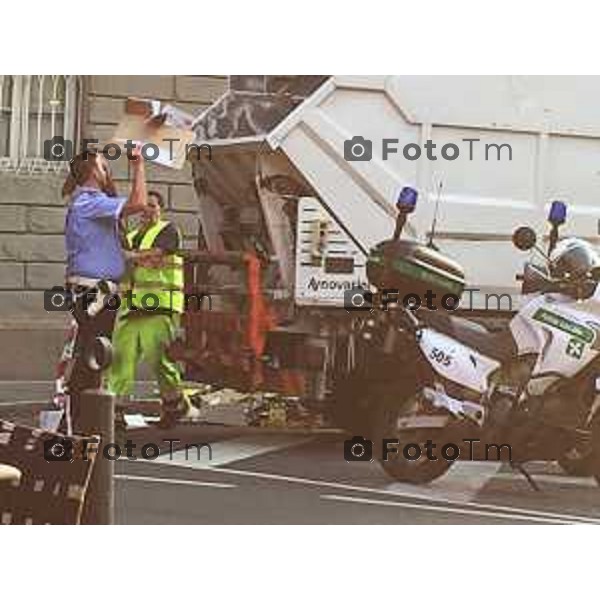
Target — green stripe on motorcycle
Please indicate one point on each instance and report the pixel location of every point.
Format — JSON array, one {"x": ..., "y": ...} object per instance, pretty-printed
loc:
[
  {"x": 576, "y": 330},
  {"x": 427, "y": 275}
]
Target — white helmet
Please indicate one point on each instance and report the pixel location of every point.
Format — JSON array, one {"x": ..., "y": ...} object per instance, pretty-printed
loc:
[{"x": 573, "y": 258}]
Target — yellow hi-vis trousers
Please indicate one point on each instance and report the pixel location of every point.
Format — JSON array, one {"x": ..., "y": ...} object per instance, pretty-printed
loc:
[{"x": 144, "y": 336}]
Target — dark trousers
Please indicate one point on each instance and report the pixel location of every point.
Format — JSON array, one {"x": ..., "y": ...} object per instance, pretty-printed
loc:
[{"x": 82, "y": 377}]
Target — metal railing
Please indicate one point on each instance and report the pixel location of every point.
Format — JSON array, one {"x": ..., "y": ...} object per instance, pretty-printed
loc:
[{"x": 33, "y": 109}]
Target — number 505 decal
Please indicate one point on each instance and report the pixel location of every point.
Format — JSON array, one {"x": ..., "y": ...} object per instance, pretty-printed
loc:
[{"x": 441, "y": 357}]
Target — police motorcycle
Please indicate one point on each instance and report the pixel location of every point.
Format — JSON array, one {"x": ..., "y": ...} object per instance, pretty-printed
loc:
[{"x": 525, "y": 391}]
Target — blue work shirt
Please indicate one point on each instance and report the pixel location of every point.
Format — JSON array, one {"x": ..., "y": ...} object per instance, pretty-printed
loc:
[{"x": 92, "y": 235}]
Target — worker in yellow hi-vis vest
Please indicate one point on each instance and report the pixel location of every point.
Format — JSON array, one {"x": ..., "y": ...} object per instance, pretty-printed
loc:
[{"x": 150, "y": 312}]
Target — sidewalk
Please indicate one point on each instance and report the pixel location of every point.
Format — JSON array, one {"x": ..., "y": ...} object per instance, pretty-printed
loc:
[{"x": 34, "y": 391}]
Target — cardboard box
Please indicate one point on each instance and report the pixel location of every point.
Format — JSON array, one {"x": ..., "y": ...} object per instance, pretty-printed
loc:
[{"x": 148, "y": 122}]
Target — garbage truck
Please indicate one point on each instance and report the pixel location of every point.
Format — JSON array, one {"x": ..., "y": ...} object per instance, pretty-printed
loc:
[{"x": 302, "y": 183}]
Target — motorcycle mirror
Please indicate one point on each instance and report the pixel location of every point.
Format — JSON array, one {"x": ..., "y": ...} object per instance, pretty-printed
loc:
[
  {"x": 558, "y": 213},
  {"x": 524, "y": 238}
]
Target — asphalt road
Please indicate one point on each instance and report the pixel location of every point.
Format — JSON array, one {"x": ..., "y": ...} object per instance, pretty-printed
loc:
[
  {"x": 258, "y": 477},
  {"x": 295, "y": 479}
]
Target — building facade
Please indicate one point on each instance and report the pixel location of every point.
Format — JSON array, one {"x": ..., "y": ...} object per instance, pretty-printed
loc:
[{"x": 34, "y": 109}]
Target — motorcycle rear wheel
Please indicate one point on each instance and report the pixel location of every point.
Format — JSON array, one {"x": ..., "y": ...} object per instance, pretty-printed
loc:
[{"x": 420, "y": 471}]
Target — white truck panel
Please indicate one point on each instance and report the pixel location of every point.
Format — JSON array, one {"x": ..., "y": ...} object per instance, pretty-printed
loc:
[
  {"x": 355, "y": 200},
  {"x": 551, "y": 123},
  {"x": 555, "y": 104},
  {"x": 319, "y": 240}
]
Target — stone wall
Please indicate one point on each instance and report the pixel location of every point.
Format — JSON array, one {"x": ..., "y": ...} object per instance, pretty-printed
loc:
[{"x": 32, "y": 217}]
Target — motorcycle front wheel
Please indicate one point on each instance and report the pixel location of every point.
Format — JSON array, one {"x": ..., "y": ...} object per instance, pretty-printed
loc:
[
  {"x": 585, "y": 462},
  {"x": 594, "y": 466},
  {"x": 575, "y": 464}
]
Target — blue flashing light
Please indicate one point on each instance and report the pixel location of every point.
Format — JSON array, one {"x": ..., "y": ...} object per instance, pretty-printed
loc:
[
  {"x": 558, "y": 213},
  {"x": 407, "y": 199}
]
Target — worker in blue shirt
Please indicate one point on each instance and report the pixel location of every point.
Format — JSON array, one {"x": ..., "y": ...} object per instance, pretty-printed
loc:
[{"x": 95, "y": 260}]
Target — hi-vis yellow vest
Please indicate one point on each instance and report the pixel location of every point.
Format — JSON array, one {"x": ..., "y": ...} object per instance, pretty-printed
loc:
[{"x": 154, "y": 288}]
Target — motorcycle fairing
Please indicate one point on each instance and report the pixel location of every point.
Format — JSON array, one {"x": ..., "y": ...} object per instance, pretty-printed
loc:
[
  {"x": 455, "y": 361},
  {"x": 562, "y": 333}
]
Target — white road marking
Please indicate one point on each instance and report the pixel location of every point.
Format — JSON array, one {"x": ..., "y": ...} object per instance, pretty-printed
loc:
[
  {"x": 462, "y": 482},
  {"x": 557, "y": 479},
  {"x": 447, "y": 509},
  {"x": 23, "y": 403},
  {"x": 511, "y": 510},
  {"x": 11, "y": 382},
  {"x": 231, "y": 450},
  {"x": 190, "y": 482}
]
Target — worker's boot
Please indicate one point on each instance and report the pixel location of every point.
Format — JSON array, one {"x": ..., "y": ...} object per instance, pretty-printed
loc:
[{"x": 176, "y": 407}]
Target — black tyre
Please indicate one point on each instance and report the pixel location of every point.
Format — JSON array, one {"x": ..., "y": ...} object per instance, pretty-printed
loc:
[
  {"x": 585, "y": 461},
  {"x": 420, "y": 471},
  {"x": 594, "y": 464},
  {"x": 100, "y": 355}
]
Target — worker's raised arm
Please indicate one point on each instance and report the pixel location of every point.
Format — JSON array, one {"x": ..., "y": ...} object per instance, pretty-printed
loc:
[{"x": 137, "y": 201}]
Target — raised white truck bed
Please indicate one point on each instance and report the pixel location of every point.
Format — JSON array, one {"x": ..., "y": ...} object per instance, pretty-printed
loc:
[{"x": 538, "y": 139}]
